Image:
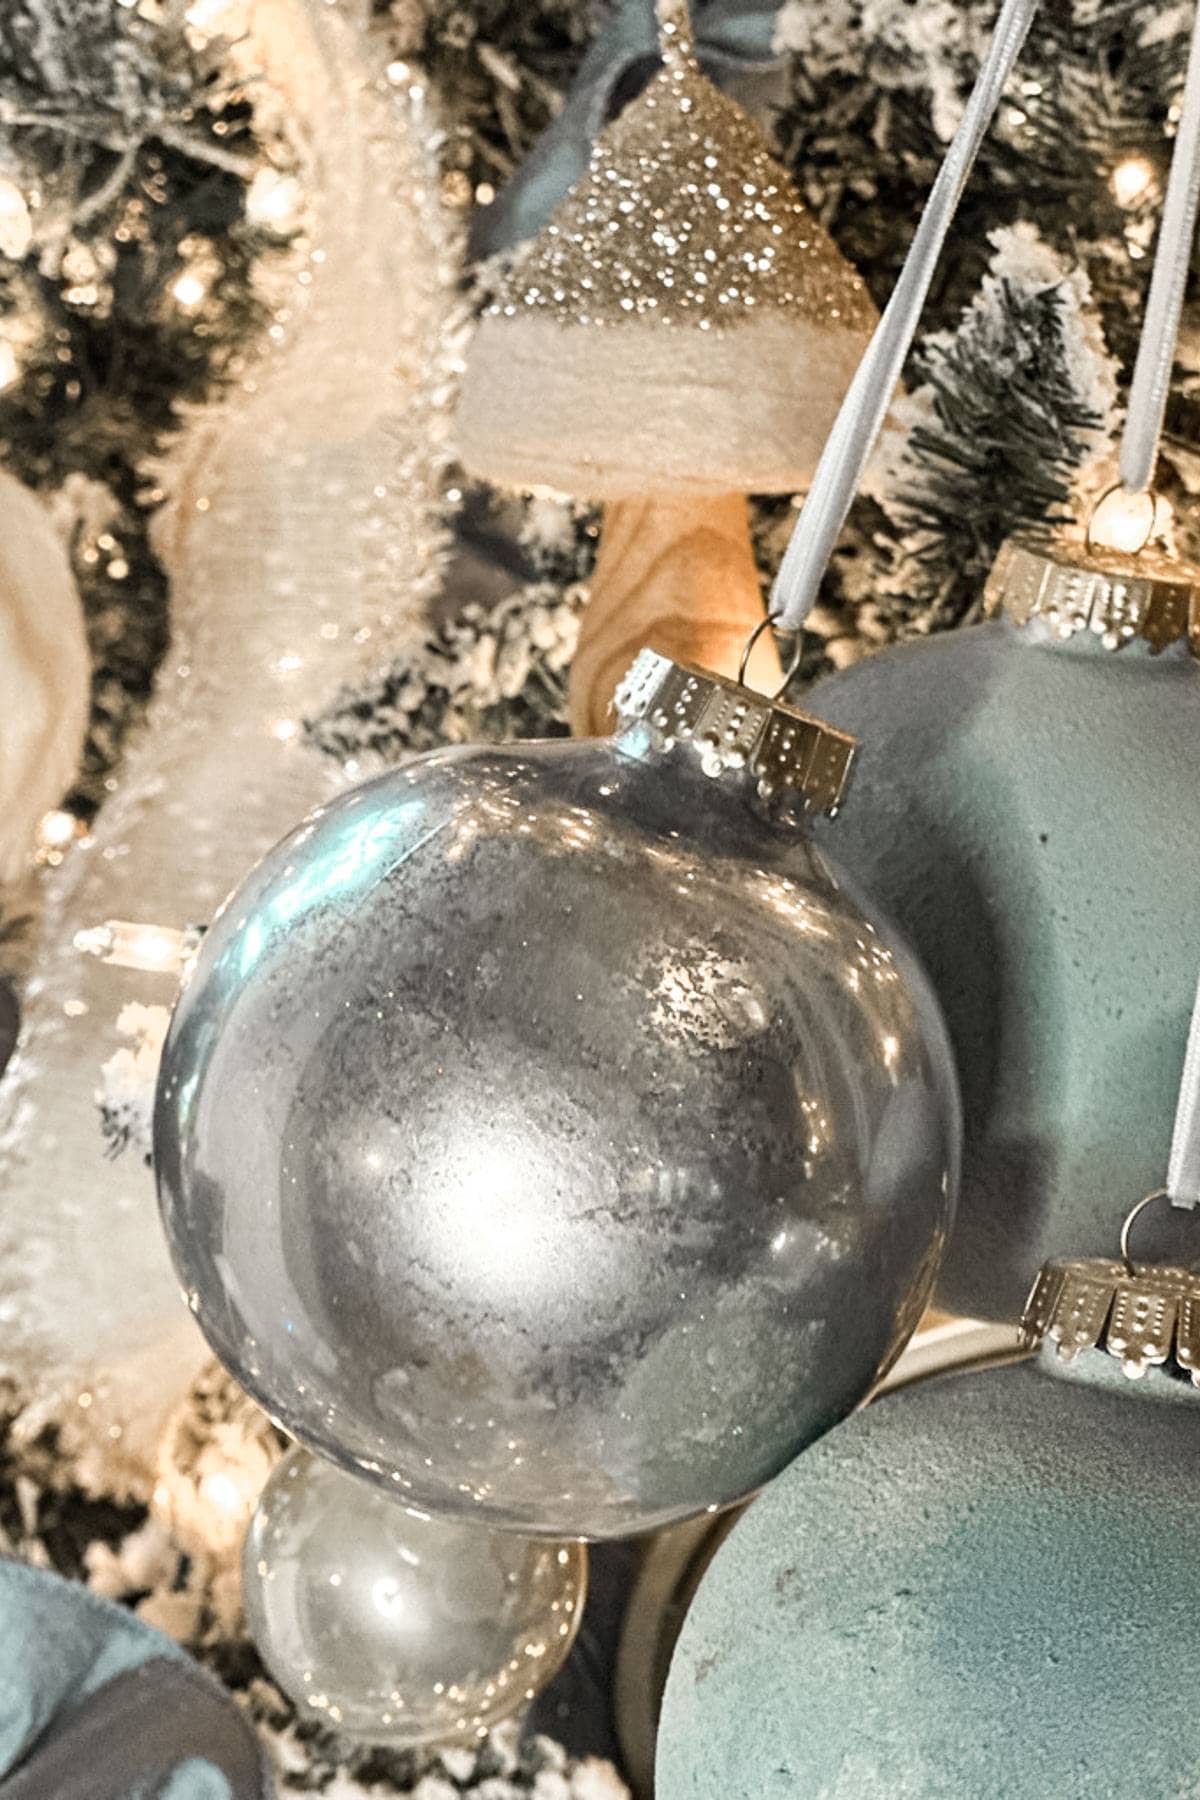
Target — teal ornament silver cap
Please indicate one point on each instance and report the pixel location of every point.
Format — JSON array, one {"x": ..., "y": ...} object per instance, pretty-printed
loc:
[
  {"x": 1147, "y": 1315},
  {"x": 1070, "y": 587},
  {"x": 1025, "y": 805}
]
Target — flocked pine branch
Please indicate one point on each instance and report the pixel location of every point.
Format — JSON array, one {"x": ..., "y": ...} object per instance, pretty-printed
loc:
[
  {"x": 100, "y": 75},
  {"x": 502, "y": 69},
  {"x": 496, "y": 673},
  {"x": 1013, "y": 403}
]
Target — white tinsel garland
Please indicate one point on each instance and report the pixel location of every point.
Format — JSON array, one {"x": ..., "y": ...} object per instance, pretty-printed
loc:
[{"x": 303, "y": 540}]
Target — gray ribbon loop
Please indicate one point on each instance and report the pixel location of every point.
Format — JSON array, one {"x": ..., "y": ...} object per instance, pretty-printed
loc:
[
  {"x": 733, "y": 43},
  {"x": 1183, "y": 1170},
  {"x": 863, "y": 411},
  {"x": 1172, "y": 261}
]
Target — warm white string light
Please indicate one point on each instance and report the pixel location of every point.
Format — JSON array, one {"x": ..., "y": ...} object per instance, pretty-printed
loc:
[
  {"x": 1132, "y": 180},
  {"x": 156, "y": 949},
  {"x": 275, "y": 201},
  {"x": 16, "y": 225},
  {"x": 189, "y": 289}
]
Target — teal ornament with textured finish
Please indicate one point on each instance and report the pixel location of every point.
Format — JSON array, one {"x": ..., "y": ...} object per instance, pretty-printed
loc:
[
  {"x": 1027, "y": 808},
  {"x": 983, "y": 1587}
]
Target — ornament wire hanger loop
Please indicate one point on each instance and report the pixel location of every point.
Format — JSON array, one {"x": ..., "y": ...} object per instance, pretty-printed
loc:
[
  {"x": 793, "y": 666},
  {"x": 1145, "y": 1314},
  {"x": 1134, "y": 1213},
  {"x": 771, "y": 622},
  {"x": 764, "y": 624}
]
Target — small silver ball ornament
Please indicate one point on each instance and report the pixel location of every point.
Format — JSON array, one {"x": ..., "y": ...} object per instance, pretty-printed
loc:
[
  {"x": 548, "y": 1133},
  {"x": 395, "y": 1629}
]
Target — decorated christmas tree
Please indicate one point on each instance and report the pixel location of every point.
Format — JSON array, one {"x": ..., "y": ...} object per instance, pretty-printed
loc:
[{"x": 553, "y": 1142}]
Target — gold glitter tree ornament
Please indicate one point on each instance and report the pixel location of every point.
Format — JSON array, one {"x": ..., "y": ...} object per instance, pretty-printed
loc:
[{"x": 678, "y": 336}]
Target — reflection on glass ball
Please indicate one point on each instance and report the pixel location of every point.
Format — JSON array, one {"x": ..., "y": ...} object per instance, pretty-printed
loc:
[
  {"x": 395, "y": 1629},
  {"x": 551, "y": 1138}
]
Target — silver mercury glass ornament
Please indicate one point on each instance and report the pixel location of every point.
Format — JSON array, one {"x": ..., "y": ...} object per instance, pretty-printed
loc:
[
  {"x": 397, "y": 1629},
  {"x": 549, "y": 1133}
]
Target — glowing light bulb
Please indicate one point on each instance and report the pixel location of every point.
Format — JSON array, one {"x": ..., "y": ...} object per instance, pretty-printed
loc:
[
  {"x": 10, "y": 368},
  {"x": 285, "y": 730},
  {"x": 207, "y": 17},
  {"x": 56, "y": 830},
  {"x": 1131, "y": 180},
  {"x": 274, "y": 201},
  {"x": 1123, "y": 521},
  {"x": 189, "y": 290},
  {"x": 154, "y": 949},
  {"x": 157, "y": 949},
  {"x": 223, "y": 1493},
  {"x": 16, "y": 226}
]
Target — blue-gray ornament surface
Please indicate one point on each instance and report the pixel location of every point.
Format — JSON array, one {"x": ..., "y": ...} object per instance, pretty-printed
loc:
[
  {"x": 984, "y": 1586},
  {"x": 399, "y": 1629},
  {"x": 551, "y": 1136},
  {"x": 1027, "y": 808}
]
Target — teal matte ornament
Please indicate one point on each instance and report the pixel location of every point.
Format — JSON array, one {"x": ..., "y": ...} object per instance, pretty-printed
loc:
[
  {"x": 985, "y": 1587},
  {"x": 1027, "y": 807}
]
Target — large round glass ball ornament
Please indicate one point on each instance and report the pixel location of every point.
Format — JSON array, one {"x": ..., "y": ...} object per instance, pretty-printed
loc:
[
  {"x": 1026, "y": 807},
  {"x": 549, "y": 1133},
  {"x": 978, "y": 1586},
  {"x": 394, "y": 1628}
]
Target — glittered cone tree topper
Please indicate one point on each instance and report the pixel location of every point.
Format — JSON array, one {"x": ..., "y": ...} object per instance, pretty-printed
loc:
[{"x": 677, "y": 337}]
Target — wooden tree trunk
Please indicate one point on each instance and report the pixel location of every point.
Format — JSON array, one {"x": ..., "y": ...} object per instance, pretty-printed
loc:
[{"x": 675, "y": 574}]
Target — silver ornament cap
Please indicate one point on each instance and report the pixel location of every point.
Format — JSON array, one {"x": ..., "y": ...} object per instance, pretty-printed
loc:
[
  {"x": 732, "y": 728},
  {"x": 1072, "y": 587},
  {"x": 1147, "y": 1315}
]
